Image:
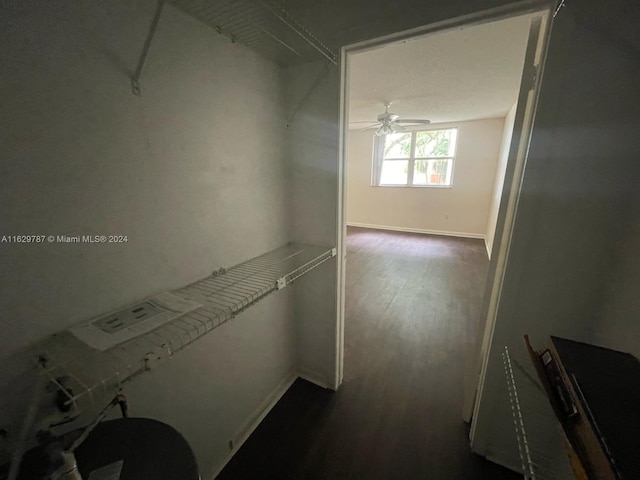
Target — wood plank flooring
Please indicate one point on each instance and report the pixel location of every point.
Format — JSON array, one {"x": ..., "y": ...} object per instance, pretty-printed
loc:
[{"x": 411, "y": 318}]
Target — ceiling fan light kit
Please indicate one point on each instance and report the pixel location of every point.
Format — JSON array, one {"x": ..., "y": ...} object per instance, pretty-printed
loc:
[
  {"x": 388, "y": 123},
  {"x": 384, "y": 130},
  {"x": 388, "y": 129}
]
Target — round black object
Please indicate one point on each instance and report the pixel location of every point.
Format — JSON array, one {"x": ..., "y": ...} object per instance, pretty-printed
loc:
[{"x": 148, "y": 449}]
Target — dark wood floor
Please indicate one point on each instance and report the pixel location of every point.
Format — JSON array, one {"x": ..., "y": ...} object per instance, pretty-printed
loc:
[{"x": 411, "y": 319}]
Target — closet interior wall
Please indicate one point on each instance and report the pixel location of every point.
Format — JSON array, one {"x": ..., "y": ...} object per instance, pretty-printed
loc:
[{"x": 195, "y": 172}]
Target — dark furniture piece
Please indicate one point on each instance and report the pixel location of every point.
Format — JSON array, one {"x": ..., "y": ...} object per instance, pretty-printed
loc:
[
  {"x": 595, "y": 393},
  {"x": 148, "y": 449}
]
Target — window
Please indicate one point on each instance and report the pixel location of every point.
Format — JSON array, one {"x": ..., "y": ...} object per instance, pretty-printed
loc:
[{"x": 415, "y": 159}]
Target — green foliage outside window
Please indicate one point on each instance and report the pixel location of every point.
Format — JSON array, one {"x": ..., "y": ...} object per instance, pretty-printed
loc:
[{"x": 418, "y": 158}]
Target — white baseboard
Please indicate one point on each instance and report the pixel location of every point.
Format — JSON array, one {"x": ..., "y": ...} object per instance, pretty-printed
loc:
[
  {"x": 263, "y": 409},
  {"x": 418, "y": 230},
  {"x": 488, "y": 247},
  {"x": 254, "y": 420},
  {"x": 314, "y": 378}
]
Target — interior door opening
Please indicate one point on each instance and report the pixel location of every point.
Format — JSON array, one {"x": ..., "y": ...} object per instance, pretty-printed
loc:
[{"x": 382, "y": 189}]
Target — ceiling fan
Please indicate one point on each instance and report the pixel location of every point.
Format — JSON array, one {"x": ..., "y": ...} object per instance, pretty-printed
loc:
[{"x": 388, "y": 122}]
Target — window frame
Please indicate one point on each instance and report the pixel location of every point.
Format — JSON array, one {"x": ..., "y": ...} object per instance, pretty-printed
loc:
[{"x": 378, "y": 160}]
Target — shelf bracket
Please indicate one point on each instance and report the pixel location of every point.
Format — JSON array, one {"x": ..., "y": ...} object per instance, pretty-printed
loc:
[{"x": 135, "y": 80}]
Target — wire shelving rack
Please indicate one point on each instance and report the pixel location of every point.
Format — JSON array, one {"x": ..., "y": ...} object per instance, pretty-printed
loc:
[
  {"x": 538, "y": 434},
  {"x": 84, "y": 375}
]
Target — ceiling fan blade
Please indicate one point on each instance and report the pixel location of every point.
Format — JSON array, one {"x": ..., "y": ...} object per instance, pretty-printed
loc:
[
  {"x": 366, "y": 121},
  {"x": 414, "y": 120},
  {"x": 370, "y": 127},
  {"x": 397, "y": 127}
]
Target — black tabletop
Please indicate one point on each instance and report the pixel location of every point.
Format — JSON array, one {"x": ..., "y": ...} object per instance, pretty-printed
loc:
[
  {"x": 610, "y": 383},
  {"x": 148, "y": 450}
]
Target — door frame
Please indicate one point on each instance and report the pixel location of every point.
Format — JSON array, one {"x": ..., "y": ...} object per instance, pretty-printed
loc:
[{"x": 511, "y": 188}]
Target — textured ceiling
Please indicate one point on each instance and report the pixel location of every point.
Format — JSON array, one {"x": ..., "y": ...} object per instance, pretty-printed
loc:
[
  {"x": 457, "y": 75},
  {"x": 343, "y": 22}
]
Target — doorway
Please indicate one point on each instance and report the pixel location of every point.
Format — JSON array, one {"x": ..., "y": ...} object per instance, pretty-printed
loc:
[{"x": 508, "y": 181}]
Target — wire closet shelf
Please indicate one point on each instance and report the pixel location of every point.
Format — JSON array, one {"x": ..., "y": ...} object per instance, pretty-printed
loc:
[
  {"x": 265, "y": 26},
  {"x": 85, "y": 375},
  {"x": 541, "y": 449}
]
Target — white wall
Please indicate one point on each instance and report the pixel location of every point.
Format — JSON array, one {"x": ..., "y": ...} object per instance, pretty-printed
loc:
[
  {"x": 462, "y": 209},
  {"x": 501, "y": 168},
  {"x": 313, "y": 93},
  {"x": 194, "y": 172},
  {"x": 572, "y": 229}
]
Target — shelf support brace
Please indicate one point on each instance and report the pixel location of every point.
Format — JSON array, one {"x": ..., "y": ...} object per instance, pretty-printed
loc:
[{"x": 135, "y": 80}]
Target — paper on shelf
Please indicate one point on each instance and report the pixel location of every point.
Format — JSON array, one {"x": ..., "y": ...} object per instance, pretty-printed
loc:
[{"x": 166, "y": 307}]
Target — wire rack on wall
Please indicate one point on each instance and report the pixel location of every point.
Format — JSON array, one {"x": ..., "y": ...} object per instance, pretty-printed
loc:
[
  {"x": 84, "y": 375},
  {"x": 265, "y": 26},
  {"x": 538, "y": 434}
]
